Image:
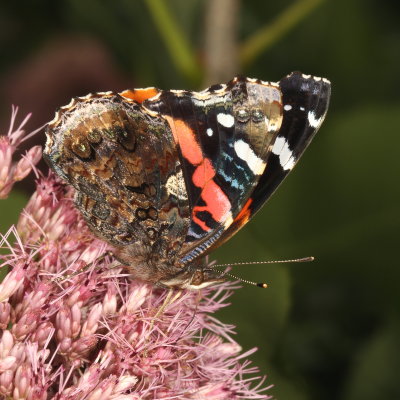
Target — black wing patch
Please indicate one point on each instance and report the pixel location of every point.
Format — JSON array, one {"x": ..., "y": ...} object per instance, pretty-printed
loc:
[{"x": 305, "y": 101}]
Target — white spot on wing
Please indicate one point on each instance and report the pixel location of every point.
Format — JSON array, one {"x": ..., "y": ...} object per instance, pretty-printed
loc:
[
  {"x": 287, "y": 107},
  {"x": 229, "y": 220},
  {"x": 207, "y": 100},
  {"x": 281, "y": 149},
  {"x": 69, "y": 105},
  {"x": 314, "y": 122},
  {"x": 225, "y": 120},
  {"x": 245, "y": 152},
  {"x": 108, "y": 93},
  {"x": 156, "y": 97},
  {"x": 289, "y": 163},
  {"x": 209, "y": 132},
  {"x": 178, "y": 92},
  {"x": 175, "y": 186},
  {"x": 87, "y": 97},
  {"x": 151, "y": 112},
  {"x": 221, "y": 90},
  {"x": 55, "y": 119}
]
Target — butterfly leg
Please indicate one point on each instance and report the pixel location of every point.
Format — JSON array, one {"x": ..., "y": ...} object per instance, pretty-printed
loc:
[{"x": 169, "y": 299}]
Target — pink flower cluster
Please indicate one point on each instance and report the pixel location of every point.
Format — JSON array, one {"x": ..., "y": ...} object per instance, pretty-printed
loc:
[
  {"x": 11, "y": 172},
  {"x": 75, "y": 326}
]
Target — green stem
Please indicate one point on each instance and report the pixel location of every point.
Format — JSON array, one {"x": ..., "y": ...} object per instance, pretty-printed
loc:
[
  {"x": 179, "y": 48},
  {"x": 270, "y": 34}
]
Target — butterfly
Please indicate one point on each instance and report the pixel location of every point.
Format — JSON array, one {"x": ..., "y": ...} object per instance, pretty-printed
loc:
[{"x": 167, "y": 176}]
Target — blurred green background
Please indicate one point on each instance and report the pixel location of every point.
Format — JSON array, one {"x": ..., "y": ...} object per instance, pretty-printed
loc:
[{"x": 328, "y": 329}]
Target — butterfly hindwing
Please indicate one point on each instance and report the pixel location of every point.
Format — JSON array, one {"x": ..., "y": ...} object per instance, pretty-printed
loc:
[{"x": 124, "y": 166}]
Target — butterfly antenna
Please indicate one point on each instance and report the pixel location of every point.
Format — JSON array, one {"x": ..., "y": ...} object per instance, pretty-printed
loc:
[
  {"x": 259, "y": 284},
  {"x": 294, "y": 260},
  {"x": 262, "y": 285}
]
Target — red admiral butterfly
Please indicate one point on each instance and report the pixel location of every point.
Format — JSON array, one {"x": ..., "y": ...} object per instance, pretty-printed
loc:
[{"x": 168, "y": 176}]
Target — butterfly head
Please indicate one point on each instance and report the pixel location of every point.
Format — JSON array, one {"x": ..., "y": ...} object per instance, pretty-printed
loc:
[{"x": 194, "y": 277}]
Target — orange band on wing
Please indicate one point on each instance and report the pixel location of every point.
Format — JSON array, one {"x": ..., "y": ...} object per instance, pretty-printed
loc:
[
  {"x": 217, "y": 202},
  {"x": 140, "y": 95},
  {"x": 186, "y": 139},
  {"x": 244, "y": 214},
  {"x": 203, "y": 173}
]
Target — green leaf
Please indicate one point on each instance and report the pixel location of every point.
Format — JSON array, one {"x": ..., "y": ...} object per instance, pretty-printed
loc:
[
  {"x": 10, "y": 210},
  {"x": 376, "y": 367},
  {"x": 182, "y": 55},
  {"x": 271, "y": 33},
  {"x": 260, "y": 314}
]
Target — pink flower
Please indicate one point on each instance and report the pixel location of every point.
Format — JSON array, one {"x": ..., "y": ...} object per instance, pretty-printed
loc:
[
  {"x": 75, "y": 326},
  {"x": 11, "y": 172}
]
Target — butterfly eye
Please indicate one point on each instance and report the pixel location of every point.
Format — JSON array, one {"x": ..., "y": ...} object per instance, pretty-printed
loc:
[
  {"x": 257, "y": 115},
  {"x": 242, "y": 115}
]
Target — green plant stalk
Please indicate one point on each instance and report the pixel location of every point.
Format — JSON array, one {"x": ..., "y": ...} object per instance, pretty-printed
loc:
[
  {"x": 271, "y": 33},
  {"x": 181, "y": 53}
]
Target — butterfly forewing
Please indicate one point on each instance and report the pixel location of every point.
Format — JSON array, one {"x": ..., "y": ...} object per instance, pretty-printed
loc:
[
  {"x": 305, "y": 101},
  {"x": 224, "y": 135}
]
